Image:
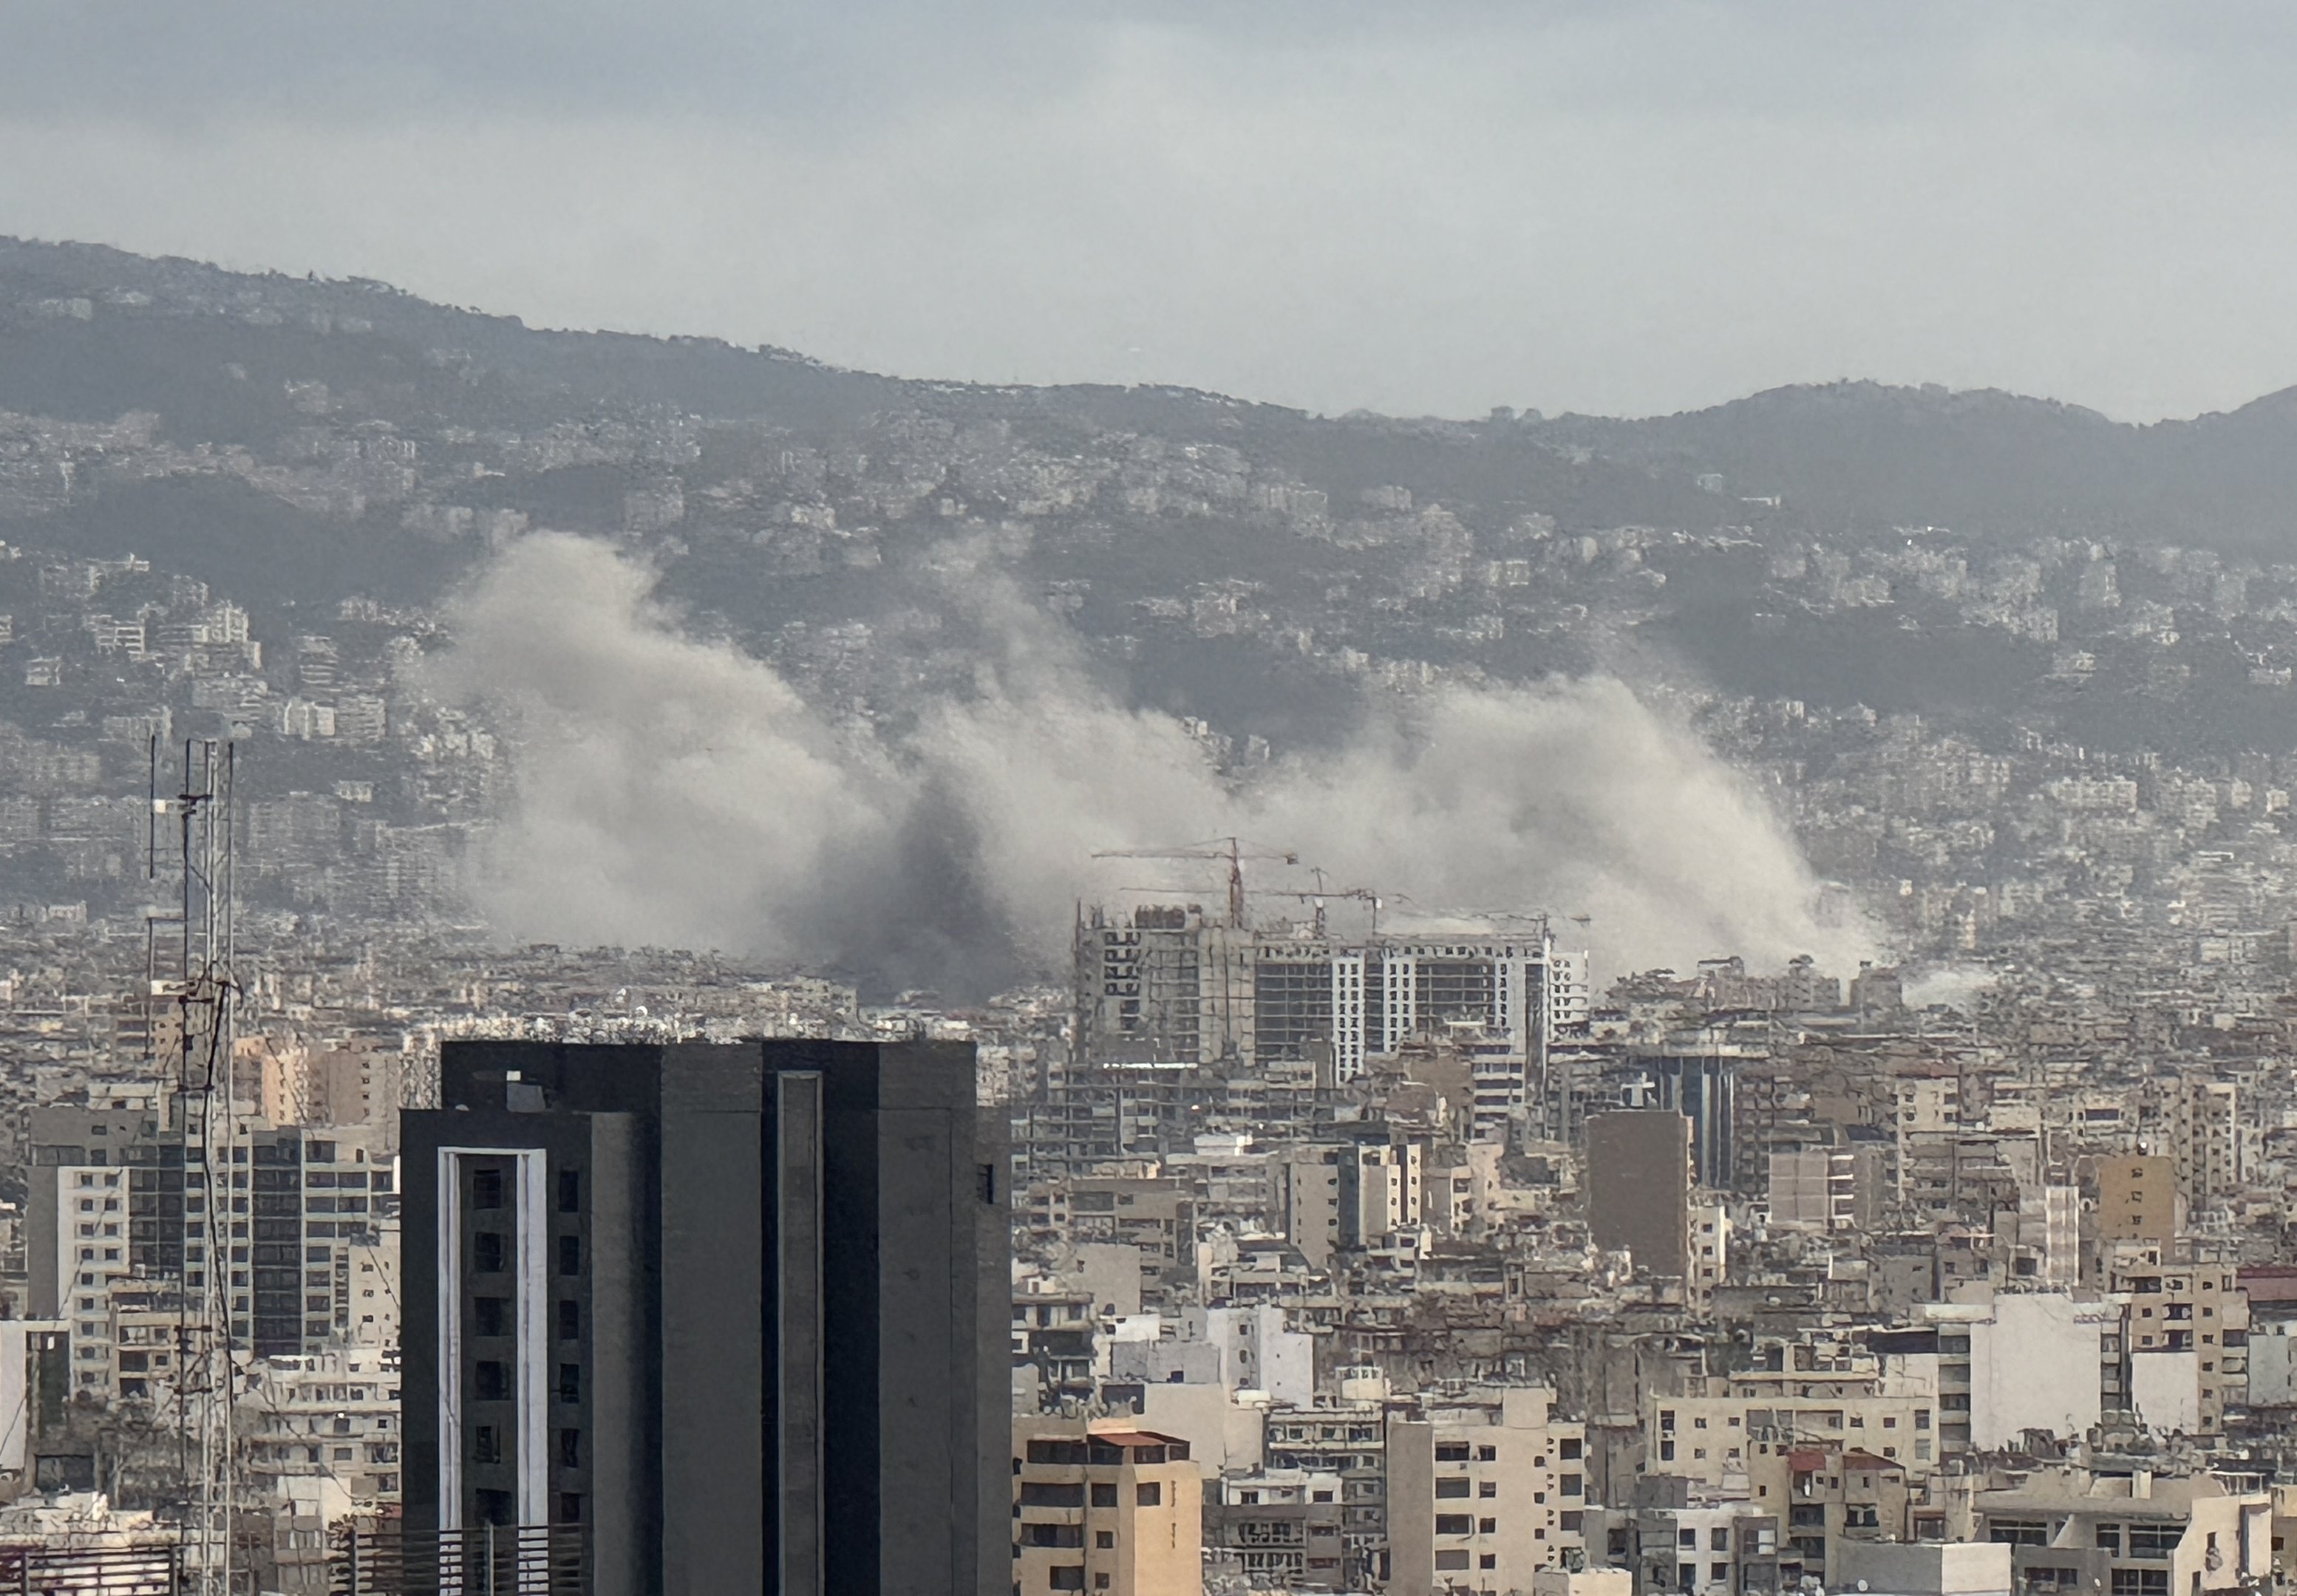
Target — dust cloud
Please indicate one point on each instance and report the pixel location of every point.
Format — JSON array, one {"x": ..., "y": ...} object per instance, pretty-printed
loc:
[{"x": 672, "y": 790}]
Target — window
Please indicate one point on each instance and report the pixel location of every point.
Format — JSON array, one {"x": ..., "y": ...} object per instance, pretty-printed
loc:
[
  {"x": 1488, "y": 1527},
  {"x": 1104, "y": 1540},
  {"x": 2109, "y": 1538},
  {"x": 570, "y": 1320},
  {"x": 1568, "y": 1447},
  {"x": 486, "y": 1188},
  {"x": 2141, "y": 1582},
  {"x": 570, "y": 1382},
  {"x": 2018, "y": 1531},
  {"x": 1104, "y": 1496},
  {"x": 1451, "y": 1452},
  {"x": 570, "y": 1255},
  {"x": 570, "y": 1507},
  {"x": 487, "y": 1253},
  {"x": 1688, "y": 1539},
  {"x": 570, "y": 1191},
  {"x": 1568, "y": 1484},
  {"x": 1148, "y": 1494},
  {"x": 1455, "y": 1524},
  {"x": 1067, "y": 1577},
  {"x": 490, "y": 1316},
  {"x": 1051, "y": 1535},
  {"x": 2155, "y": 1540},
  {"x": 1487, "y": 1454},
  {"x": 486, "y": 1444},
  {"x": 1570, "y": 1523},
  {"x": 1489, "y": 1487},
  {"x": 1718, "y": 1540},
  {"x": 1450, "y": 1561},
  {"x": 1057, "y": 1452},
  {"x": 570, "y": 1449},
  {"x": 1489, "y": 1560},
  {"x": 1456, "y": 1485},
  {"x": 1042, "y": 1494},
  {"x": 491, "y": 1380}
]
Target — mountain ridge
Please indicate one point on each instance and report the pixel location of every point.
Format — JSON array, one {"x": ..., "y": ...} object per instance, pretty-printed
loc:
[{"x": 90, "y": 329}]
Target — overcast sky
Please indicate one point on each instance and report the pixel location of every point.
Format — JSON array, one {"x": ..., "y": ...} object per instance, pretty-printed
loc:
[{"x": 1612, "y": 206}]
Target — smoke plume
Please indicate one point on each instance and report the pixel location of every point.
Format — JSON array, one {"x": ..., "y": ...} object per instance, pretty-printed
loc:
[{"x": 673, "y": 790}]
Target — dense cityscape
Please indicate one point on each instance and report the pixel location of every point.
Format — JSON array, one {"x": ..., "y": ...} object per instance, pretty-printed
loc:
[{"x": 1361, "y": 1239}]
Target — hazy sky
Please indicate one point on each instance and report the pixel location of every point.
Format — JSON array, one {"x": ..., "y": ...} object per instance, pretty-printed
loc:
[{"x": 1607, "y": 206}]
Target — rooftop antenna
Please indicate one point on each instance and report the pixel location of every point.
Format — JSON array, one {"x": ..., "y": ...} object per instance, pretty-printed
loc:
[{"x": 198, "y": 976}]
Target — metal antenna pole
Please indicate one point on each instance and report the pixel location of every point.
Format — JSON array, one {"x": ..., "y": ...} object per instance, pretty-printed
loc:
[{"x": 206, "y": 991}]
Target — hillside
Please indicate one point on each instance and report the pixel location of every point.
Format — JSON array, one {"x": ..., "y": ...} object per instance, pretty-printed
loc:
[
  {"x": 159, "y": 335},
  {"x": 299, "y": 444}
]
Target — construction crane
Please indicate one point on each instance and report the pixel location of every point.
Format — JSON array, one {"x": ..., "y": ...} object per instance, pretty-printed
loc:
[
  {"x": 1541, "y": 918},
  {"x": 1362, "y": 894},
  {"x": 1230, "y": 849}
]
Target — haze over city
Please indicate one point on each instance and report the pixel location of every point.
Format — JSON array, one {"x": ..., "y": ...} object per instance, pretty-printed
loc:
[{"x": 1447, "y": 800}]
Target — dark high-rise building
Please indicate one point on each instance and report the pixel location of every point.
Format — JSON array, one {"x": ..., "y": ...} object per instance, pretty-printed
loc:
[
  {"x": 738, "y": 1312},
  {"x": 1703, "y": 1087}
]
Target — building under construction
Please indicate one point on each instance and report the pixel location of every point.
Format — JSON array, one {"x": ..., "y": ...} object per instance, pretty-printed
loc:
[{"x": 1162, "y": 986}]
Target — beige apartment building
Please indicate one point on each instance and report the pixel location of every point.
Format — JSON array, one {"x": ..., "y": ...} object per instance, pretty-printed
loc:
[
  {"x": 1338, "y": 1197},
  {"x": 1110, "y": 1509},
  {"x": 1483, "y": 1492},
  {"x": 2136, "y": 1197},
  {"x": 2186, "y": 1333},
  {"x": 1730, "y": 1435}
]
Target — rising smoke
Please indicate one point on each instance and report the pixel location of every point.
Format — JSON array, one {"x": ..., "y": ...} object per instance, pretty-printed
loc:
[{"x": 672, "y": 790}]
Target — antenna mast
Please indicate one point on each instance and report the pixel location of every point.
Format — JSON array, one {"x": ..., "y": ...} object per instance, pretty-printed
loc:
[{"x": 202, "y": 983}]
